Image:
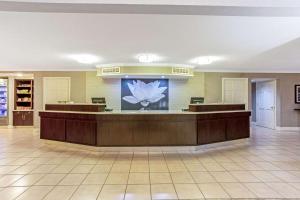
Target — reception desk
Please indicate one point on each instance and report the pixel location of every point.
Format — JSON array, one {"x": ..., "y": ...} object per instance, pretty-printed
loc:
[
  {"x": 215, "y": 107},
  {"x": 82, "y": 107},
  {"x": 147, "y": 128}
]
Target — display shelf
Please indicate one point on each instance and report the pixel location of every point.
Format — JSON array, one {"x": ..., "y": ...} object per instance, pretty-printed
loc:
[
  {"x": 24, "y": 94},
  {"x": 23, "y": 110}
]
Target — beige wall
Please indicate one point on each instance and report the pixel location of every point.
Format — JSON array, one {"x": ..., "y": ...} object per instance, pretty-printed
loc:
[
  {"x": 180, "y": 91},
  {"x": 78, "y": 88},
  {"x": 85, "y": 85},
  {"x": 285, "y": 103},
  {"x": 213, "y": 85}
]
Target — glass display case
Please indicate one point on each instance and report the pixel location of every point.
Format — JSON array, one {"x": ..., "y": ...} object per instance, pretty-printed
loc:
[{"x": 3, "y": 97}]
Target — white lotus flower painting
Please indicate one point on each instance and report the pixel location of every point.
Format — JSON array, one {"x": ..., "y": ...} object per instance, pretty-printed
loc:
[{"x": 145, "y": 94}]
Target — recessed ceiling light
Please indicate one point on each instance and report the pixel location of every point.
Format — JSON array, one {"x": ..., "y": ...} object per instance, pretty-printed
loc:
[
  {"x": 162, "y": 76},
  {"x": 85, "y": 58},
  {"x": 205, "y": 60},
  {"x": 147, "y": 58}
]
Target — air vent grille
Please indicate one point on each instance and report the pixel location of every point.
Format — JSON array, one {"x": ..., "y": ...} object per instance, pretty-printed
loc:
[
  {"x": 180, "y": 70},
  {"x": 111, "y": 70}
]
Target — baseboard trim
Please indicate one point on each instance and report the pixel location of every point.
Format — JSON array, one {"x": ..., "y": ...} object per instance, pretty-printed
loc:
[{"x": 280, "y": 128}]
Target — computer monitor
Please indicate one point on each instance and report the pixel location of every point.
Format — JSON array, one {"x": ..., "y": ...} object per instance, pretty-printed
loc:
[
  {"x": 197, "y": 100},
  {"x": 98, "y": 100}
]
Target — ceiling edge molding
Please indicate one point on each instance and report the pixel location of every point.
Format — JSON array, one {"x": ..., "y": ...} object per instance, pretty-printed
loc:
[{"x": 14, "y": 6}]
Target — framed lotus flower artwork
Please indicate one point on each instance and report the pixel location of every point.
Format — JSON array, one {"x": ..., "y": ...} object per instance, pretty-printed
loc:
[{"x": 144, "y": 94}]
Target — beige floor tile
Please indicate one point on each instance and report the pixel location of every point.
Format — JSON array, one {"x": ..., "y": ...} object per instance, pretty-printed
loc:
[
  {"x": 163, "y": 191},
  {"x": 285, "y": 176},
  {"x": 249, "y": 166},
  {"x": 117, "y": 168},
  {"x": 10, "y": 193},
  {"x": 285, "y": 190},
  {"x": 237, "y": 190},
  {"x": 135, "y": 168},
  {"x": 158, "y": 168},
  {"x": 24, "y": 169},
  {"x": 265, "y": 176},
  {"x": 7, "y": 180},
  {"x": 261, "y": 190},
  {"x": 295, "y": 185},
  {"x": 195, "y": 167},
  {"x": 50, "y": 179},
  {"x": 223, "y": 177},
  {"x": 101, "y": 168},
  {"x": 28, "y": 180},
  {"x": 213, "y": 191},
  {"x": 266, "y": 165},
  {"x": 213, "y": 166},
  {"x": 112, "y": 192},
  {"x": 188, "y": 191},
  {"x": 61, "y": 193},
  {"x": 203, "y": 177},
  {"x": 244, "y": 176},
  {"x": 139, "y": 178},
  {"x": 63, "y": 169},
  {"x": 177, "y": 167},
  {"x": 182, "y": 177},
  {"x": 35, "y": 193},
  {"x": 6, "y": 169},
  {"x": 230, "y": 166},
  {"x": 86, "y": 192},
  {"x": 82, "y": 169},
  {"x": 156, "y": 178},
  {"x": 138, "y": 192},
  {"x": 95, "y": 179},
  {"x": 117, "y": 178},
  {"x": 73, "y": 179},
  {"x": 43, "y": 169}
]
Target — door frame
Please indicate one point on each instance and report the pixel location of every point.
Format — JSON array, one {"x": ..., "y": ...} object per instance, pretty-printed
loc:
[
  {"x": 247, "y": 87},
  {"x": 49, "y": 78},
  {"x": 275, "y": 101}
]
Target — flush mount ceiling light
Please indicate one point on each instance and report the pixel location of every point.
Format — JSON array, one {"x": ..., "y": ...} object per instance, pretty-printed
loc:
[
  {"x": 205, "y": 60},
  {"x": 85, "y": 58},
  {"x": 147, "y": 58}
]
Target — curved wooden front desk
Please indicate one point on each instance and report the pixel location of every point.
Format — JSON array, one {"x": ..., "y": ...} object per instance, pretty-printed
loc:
[{"x": 144, "y": 128}]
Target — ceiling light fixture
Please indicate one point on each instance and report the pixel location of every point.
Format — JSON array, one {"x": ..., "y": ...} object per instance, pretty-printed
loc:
[
  {"x": 85, "y": 58},
  {"x": 205, "y": 60},
  {"x": 147, "y": 58}
]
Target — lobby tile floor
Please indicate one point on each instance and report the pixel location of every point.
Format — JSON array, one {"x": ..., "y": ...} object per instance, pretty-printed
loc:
[{"x": 266, "y": 166}]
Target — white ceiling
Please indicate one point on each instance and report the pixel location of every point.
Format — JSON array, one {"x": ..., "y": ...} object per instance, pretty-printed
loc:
[{"x": 42, "y": 41}]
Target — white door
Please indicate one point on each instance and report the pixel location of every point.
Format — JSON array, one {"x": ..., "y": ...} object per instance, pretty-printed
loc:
[
  {"x": 56, "y": 89},
  {"x": 266, "y": 104},
  {"x": 235, "y": 90}
]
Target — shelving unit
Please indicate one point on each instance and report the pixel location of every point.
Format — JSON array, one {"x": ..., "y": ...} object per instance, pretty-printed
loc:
[{"x": 23, "y": 113}]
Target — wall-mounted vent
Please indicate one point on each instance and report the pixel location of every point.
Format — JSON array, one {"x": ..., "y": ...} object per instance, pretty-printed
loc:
[
  {"x": 111, "y": 70},
  {"x": 181, "y": 70}
]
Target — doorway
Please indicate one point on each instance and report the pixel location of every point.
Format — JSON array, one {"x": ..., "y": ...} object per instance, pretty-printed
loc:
[{"x": 265, "y": 103}]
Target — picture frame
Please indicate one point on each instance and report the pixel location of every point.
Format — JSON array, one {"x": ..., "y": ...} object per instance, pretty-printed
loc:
[{"x": 297, "y": 94}]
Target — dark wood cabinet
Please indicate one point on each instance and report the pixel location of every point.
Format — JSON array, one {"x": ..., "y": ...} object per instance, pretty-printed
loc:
[
  {"x": 23, "y": 118},
  {"x": 105, "y": 129},
  {"x": 81, "y": 131},
  {"x": 238, "y": 128},
  {"x": 215, "y": 107},
  {"x": 210, "y": 131},
  {"x": 53, "y": 129}
]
